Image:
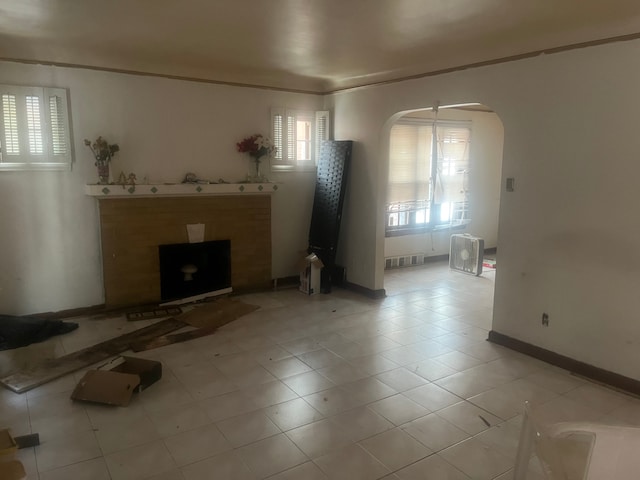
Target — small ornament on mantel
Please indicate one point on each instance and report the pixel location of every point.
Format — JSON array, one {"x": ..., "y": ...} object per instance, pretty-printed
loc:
[{"x": 122, "y": 179}]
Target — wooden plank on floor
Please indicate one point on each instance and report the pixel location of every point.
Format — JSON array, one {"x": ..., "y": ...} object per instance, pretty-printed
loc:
[
  {"x": 164, "y": 340},
  {"x": 208, "y": 318},
  {"x": 49, "y": 370}
]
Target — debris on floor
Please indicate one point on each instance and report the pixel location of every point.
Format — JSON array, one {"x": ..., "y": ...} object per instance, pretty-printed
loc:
[
  {"x": 165, "y": 340},
  {"x": 217, "y": 313},
  {"x": 49, "y": 370},
  {"x": 115, "y": 382},
  {"x": 16, "y": 332},
  {"x": 153, "y": 313},
  {"x": 207, "y": 318},
  {"x": 7, "y": 443},
  {"x": 489, "y": 263},
  {"x": 11, "y": 469}
]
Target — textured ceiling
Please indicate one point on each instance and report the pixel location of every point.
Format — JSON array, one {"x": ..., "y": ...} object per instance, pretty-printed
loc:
[{"x": 310, "y": 45}]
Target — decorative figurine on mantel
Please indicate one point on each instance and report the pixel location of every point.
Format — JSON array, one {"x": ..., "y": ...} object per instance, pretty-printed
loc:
[
  {"x": 257, "y": 146},
  {"x": 130, "y": 180},
  {"x": 102, "y": 152}
]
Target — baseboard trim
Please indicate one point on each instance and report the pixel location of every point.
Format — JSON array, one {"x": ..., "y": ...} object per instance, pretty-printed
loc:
[
  {"x": 72, "y": 312},
  {"x": 293, "y": 280},
  {"x": 367, "y": 292},
  {"x": 436, "y": 258},
  {"x": 597, "y": 374},
  {"x": 441, "y": 258}
]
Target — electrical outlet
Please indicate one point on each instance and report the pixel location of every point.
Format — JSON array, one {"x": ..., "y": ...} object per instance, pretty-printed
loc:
[
  {"x": 545, "y": 319},
  {"x": 511, "y": 184}
]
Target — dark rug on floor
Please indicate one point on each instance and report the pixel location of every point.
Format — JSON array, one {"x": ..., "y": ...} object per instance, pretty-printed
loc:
[{"x": 18, "y": 332}]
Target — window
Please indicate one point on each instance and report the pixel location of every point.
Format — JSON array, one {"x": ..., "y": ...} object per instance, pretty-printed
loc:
[
  {"x": 297, "y": 136},
  {"x": 34, "y": 129},
  {"x": 428, "y": 176}
]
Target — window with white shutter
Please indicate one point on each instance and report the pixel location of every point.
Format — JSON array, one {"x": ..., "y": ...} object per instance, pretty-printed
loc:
[
  {"x": 34, "y": 128},
  {"x": 428, "y": 176},
  {"x": 297, "y": 136}
]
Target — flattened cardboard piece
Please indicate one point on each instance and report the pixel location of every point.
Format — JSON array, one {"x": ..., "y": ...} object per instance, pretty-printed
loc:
[
  {"x": 149, "y": 371},
  {"x": 7, "y": 443},
  {"x": 217, "y": 313},
  {"x": 12, "y": 470},
  {"x": 111, "y": 388}
]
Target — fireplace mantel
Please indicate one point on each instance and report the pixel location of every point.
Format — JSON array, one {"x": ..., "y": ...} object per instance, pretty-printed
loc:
[{"x": 179, "y": 189}]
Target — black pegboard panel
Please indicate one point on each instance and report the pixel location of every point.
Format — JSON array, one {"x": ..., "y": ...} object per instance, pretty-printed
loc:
[{"x": 333, "y": 168}]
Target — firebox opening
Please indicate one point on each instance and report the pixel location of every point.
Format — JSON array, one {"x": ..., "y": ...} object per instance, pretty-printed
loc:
[{"x": 190, "y": 270}]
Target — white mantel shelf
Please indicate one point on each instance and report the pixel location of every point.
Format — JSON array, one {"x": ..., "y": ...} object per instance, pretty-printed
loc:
[{"x": 179, "y": 190}]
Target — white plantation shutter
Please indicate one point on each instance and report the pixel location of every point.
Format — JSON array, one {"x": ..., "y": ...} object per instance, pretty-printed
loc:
[
  {"x": 34, "y": 129},
  {"x": 34, "y": 124},
  {"x": 291, "y": 138},
  {"x": 10, "y": 144},
  {"x": 297, "y": 136},
  {"x": 322, "y": 129},
  {"x": 277, "y": 133},
  {"x": 59, "y": 125}
]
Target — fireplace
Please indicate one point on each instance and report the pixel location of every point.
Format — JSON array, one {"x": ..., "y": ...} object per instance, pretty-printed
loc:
[
  {"x": 191, "y": 270},
  {"x": 132, "y": 229}
]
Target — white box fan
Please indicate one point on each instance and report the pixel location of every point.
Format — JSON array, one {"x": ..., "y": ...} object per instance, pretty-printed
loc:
[{"x": 465, "y": 254}]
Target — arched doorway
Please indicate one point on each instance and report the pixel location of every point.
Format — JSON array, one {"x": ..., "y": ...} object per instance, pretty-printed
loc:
[{"x": 422, "y": 210}]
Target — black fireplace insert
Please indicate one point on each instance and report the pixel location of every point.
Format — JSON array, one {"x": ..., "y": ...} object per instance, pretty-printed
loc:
[{"x": 191, "y": 269}]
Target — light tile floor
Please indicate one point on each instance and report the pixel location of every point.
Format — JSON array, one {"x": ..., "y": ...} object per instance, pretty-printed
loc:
[{"x": 328, "y": 386}]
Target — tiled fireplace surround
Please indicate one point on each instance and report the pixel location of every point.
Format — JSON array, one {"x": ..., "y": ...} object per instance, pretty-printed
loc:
[{"x": 132, "y": 228}]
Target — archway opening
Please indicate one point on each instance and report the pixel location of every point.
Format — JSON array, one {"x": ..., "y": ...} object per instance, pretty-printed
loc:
[{"x": 444, "y": 178}]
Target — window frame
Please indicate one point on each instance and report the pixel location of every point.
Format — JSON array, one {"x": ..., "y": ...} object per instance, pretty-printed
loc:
[
  {"x": 410, "y": 209},
  {"x": 53, "y": 127},
  {"x": 283, "y": 134}
]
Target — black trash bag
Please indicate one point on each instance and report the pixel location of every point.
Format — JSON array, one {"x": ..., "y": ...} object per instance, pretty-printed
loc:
[{"x": 22, "y": 331}]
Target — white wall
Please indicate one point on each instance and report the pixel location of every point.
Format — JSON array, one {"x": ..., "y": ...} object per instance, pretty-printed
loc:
[
  {"x": 50, "y": 243},
  {"x": 485, "y": 160},
  {"x": 568, "y": 234}
]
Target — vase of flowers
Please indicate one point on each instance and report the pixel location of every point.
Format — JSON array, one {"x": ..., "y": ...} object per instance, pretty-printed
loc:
[
  {"x": 102, "y": 152},
  {"x": 257, "y": 146}
]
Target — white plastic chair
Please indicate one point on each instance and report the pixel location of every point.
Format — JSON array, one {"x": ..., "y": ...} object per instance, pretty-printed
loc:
[{"x": 579, "y": 450}]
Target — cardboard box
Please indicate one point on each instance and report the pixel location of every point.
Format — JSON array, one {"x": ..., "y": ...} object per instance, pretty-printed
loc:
[
  {"x": 12, "y": 470},
  {"x": 310, "y": 271},
  {"x": 7, "y": 443},
  {"x": 115, "y": 382},
  {"x": 149, "y": 371}
]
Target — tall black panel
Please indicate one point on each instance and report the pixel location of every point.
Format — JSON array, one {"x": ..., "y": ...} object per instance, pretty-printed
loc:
[{"x": 331, "y": 182}]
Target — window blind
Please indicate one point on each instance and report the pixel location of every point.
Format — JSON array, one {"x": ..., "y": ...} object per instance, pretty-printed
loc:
[
  {"x": 34, "y": 128},
  {"x": 428, "y": 174},
  {"x": 297, "y": 136},
  {"x": 410, "y": 163}
]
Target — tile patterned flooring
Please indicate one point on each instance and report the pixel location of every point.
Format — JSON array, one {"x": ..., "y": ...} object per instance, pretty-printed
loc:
[{"x": 330, "y": 386}]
